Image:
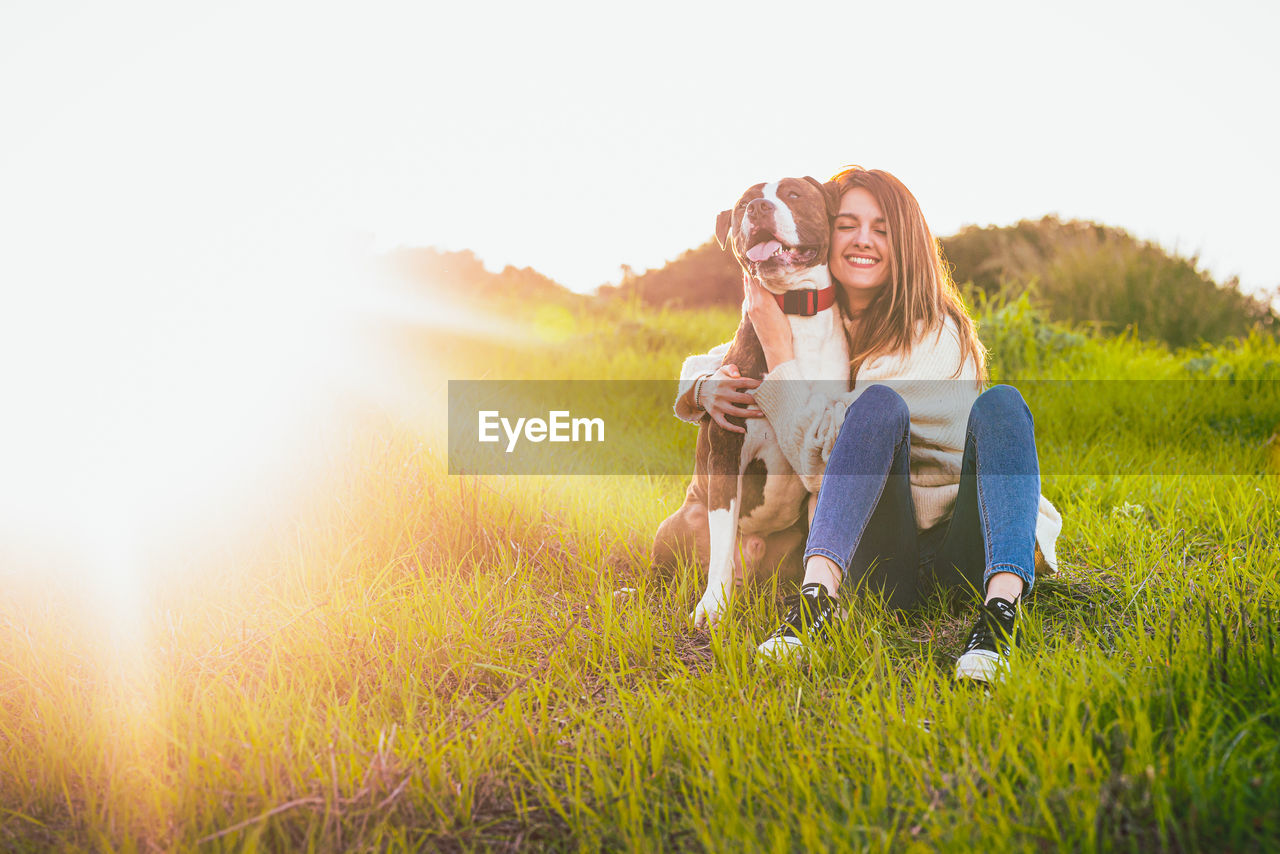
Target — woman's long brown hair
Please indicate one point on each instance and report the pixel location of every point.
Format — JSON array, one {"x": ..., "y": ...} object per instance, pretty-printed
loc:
[{"x": 919, "y": 293}]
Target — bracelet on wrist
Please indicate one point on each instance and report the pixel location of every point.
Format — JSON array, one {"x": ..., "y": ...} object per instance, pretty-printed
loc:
[{"x": 697, "y": 391}]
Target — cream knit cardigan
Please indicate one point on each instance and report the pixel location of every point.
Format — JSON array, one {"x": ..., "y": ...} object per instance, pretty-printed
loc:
[{"x": 807, "y": 417}]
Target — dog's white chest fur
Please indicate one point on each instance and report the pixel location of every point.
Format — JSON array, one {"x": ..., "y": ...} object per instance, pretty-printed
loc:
[{"x": 822, "y": 354}]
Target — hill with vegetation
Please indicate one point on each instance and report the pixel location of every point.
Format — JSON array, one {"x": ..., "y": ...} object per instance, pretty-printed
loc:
[
  {"x": 698, "y": 278},
  {"x": 1103, "y": 277},
  {"x": 461, "y": 278},
  {"x": 1077, "y": 273}
]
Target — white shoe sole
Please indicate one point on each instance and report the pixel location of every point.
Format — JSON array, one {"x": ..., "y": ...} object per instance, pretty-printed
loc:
[
  {"x": 981, "y": 665},
  {"x": 779, "y": 649}
]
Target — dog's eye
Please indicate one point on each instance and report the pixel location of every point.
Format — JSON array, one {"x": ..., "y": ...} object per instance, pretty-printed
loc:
[{"x": 793, "y": 195}]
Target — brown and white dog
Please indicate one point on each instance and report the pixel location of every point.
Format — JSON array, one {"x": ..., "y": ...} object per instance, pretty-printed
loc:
[{"x": 744, "y": 485}]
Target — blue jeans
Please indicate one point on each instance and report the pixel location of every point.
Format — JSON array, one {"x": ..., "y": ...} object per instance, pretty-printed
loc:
[{"x": 865, "y": 520}]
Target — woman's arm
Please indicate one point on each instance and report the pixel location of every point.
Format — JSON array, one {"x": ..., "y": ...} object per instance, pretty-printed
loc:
[
  {"x": 694, "y": 367},
  {"x": 771, "y": 325},
  {"x": 720, "y": 395}
]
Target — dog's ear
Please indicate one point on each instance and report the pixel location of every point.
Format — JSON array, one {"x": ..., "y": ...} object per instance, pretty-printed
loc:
[
  {"x": 723, "y": 221},
  {"x": 830, "y": 194}
]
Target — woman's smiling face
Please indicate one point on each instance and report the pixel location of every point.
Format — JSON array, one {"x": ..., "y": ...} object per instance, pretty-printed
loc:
[{"x": 859, "y": 257}]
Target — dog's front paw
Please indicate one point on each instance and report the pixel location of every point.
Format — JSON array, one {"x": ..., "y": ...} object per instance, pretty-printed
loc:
[{"x": 709, "y": 611}]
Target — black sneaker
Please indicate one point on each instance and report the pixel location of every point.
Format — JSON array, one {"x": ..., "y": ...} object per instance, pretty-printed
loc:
[
  {"x": 810, "y": 614},
  {"x": 991, "y": 643}
]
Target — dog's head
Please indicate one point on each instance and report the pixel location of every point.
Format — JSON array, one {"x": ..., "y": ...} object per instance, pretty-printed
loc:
[{"x": 780, "y": 230}]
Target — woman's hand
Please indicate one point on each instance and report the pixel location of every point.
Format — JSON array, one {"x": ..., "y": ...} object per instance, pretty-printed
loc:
[
  {"x": 722, "y": 395},
  {"x": 771, "y": 324}
]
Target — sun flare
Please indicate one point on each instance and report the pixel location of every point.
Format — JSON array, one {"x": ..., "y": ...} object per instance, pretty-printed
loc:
[{"x": 156, "y": 418}]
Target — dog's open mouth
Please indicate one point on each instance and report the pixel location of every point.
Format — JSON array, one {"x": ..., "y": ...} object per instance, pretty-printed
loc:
[{"x": 765, "y": 248}]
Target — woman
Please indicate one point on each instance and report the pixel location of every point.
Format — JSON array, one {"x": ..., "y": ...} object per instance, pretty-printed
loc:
[{"x": 924, "y": 476}]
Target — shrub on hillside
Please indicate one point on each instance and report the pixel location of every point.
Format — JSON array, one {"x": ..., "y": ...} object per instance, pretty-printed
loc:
[
  {"x": 1085, "y": 273},
  {"x": 700, "y": 277}
]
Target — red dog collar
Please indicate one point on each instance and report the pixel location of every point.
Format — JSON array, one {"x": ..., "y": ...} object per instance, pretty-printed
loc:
[{"x": 808, "y": 302}]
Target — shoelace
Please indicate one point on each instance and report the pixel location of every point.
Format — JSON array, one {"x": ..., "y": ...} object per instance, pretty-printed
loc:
[
  {"x": 817, "y": 608},
  {"x": 995, "y": 627}
]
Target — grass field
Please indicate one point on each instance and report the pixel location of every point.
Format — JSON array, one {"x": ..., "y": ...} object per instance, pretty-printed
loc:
[{"x": 414, "y": 660}]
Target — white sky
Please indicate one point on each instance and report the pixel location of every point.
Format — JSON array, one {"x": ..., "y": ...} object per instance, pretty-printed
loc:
[{"x": 149, "y": 141}]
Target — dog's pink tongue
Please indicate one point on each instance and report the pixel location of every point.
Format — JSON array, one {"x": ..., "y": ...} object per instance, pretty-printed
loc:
[{"x": 761, "y": 251}]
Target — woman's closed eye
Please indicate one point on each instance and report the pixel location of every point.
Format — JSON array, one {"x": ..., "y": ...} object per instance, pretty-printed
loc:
[{"x": 852, "y": 227}]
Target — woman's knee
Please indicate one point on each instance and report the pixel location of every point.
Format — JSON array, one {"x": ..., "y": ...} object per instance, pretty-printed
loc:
[
  {"x": 879, "y": 408},
  {"x": 1000, "y": 405}
]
